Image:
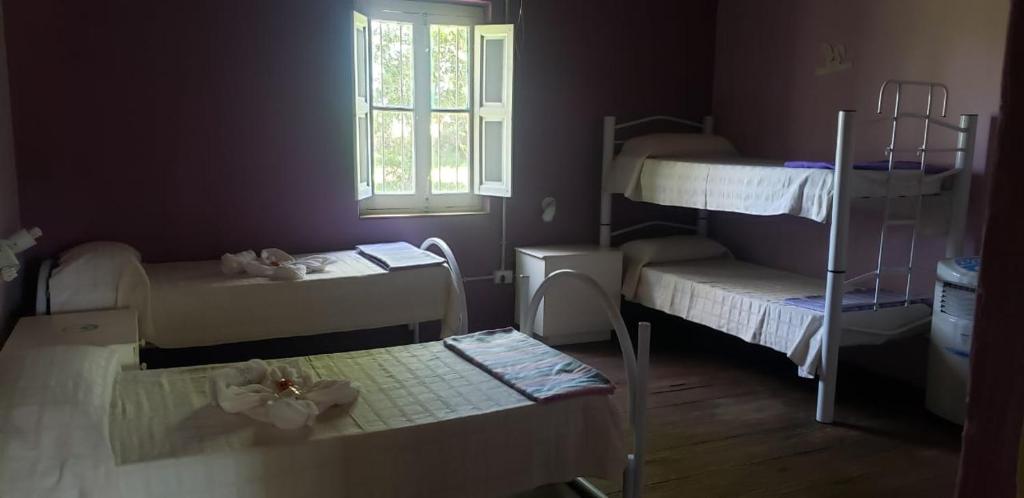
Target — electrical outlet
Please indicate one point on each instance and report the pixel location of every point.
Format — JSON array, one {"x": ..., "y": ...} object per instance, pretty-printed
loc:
[{"x": 502, "y": 277}]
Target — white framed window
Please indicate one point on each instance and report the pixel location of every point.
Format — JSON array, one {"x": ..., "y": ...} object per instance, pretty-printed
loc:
[{"x": 433, "y": 107}]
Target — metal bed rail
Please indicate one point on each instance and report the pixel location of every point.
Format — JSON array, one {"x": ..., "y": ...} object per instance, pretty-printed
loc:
[
  {"x": 964, "y": 151},
  {"x": 637, "y": 365},
  {"x": 457, "y": 281},
  {"x": 839, "y": 236}
]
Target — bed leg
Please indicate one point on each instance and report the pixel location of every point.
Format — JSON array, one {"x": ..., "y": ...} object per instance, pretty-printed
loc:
[
  {"x": 415, "y": 328},
  {"x": 636, "y": 463},
  {"x": 607, "y": 155},
  {"x": 961, "y": 185},
  {"x": 832, "y": 327}
]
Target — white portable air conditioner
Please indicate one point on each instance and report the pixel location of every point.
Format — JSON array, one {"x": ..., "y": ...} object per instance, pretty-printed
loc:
[{"x": 950, "y": 346}]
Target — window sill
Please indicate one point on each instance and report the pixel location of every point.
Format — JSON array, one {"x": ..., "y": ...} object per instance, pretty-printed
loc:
[{"x": 382, "y": 215}]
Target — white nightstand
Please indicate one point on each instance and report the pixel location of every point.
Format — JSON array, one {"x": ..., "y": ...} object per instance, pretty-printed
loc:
[
  {"x": 118, "y": 329},
  {"x": 572, "y": 315}
]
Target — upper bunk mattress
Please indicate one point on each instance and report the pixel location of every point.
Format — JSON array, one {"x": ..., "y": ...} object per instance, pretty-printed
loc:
[
  {"x": 748, "y": 301},
  {"x": 195, "y": 304},
  {"x": 750, "y": 186},
  {"x": 426, "y": 423}
]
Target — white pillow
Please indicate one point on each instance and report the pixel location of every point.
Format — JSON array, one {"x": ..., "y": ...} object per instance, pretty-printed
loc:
[
  {"x": 639, "y": 253},
  {"x": 108, "y": 249},
  {"x": 87, "y": 276},
  {"x": 54, "y": 422},
  {"x": 624, "y": 174},
  {"x": 694, "y": 145}
]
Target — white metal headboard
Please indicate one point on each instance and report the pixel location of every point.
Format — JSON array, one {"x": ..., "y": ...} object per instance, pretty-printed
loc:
[{"x": 610, "y": 139}]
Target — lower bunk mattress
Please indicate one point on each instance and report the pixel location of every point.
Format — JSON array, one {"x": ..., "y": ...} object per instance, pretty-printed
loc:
[
  {"x": 749, "y": 302},
  {"x": 426, "y": 423},
  {"x": 195, "y": 304}
]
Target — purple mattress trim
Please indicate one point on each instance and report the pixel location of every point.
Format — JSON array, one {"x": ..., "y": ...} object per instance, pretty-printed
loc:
[
  {"x": 856, "y": 300},
  {"x": 929, "y": 169}
]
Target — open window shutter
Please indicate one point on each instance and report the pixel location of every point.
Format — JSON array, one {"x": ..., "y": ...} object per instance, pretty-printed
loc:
[
  {"x": 361, "y": 70},
  {"x": 492, "y": 123}
]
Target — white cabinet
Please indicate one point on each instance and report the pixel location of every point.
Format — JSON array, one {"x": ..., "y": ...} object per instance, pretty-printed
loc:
[
  {"x": 117, "y": 329},
  {"x": 569, "y": 313}
]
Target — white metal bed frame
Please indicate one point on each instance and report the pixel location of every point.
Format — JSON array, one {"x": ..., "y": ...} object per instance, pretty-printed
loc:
[
  {"x": 637, "y": 365},
  {"x": 46, "y": 267},
  {"x": 839, "y": 231}
]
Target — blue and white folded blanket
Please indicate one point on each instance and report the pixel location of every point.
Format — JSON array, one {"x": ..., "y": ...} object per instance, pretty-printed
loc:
[
  {"x": 398, "y": 255},
  {"x": 529, "y": 366}
]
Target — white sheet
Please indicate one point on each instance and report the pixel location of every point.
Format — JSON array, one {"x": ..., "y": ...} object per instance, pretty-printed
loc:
[
  {"x": 747, "y": 301},
  {"x": 751, "y": 186},
  {"x": 195, "y": 304},
  {"x": 54, "y": 416},
  {"x": 427, "y": 423}
]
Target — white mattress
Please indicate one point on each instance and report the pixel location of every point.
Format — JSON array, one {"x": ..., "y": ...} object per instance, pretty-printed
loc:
[
  {"x": 748, "y": 301},
  {"x": 751, "y": 186},
  {"x": 195, "y": 304},
  {"x": 427, "y": 423}
]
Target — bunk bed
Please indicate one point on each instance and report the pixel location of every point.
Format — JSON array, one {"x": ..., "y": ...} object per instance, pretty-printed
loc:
[{"x": 806, "y": 318}]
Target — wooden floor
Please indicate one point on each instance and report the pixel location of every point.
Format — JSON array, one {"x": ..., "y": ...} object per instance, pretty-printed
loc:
[{"x": 739, "y": 422}]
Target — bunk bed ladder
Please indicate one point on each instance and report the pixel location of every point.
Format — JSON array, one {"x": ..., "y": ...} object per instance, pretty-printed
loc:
[{"x": 889, "y": 220}]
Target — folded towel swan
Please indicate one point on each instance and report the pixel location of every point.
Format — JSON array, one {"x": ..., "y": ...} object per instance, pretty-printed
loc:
[
  {"x": 284, "y": 396},
  {"x": 274, "y": 264}
]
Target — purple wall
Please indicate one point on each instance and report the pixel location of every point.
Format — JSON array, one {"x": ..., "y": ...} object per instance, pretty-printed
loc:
[
  {"x": 770, "y": 103},
  {"x": 188, "y": 129},
  {"x": 10, "y": 293}
]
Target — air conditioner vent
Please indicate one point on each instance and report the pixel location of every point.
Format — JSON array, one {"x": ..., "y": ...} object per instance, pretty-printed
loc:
[{"x": 957, "y": 301}]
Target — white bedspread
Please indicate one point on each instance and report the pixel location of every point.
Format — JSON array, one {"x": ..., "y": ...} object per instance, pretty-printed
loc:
[
  {"x": 748, "y": 301},
  {"x": 427, "y": 423},
  {"x": 752, "y": 186},
  {"x": 195, "y": 304},
  {"x": 54, "y": 419}
]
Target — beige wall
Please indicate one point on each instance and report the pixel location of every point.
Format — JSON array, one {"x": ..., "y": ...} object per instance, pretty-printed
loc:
[
  {"x": 770, "y": 102},
  {"x": 9, "y": 221}
]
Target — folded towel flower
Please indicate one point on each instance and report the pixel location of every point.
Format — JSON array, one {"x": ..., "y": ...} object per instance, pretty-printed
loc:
[
  {"x": 282, "y": 395},
  {"x": 274, "y": 264},
  {"x": 234, "y": 264}
]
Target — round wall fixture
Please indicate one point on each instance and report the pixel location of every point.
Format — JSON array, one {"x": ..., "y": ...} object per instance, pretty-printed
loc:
[{"x": 547, "y": 209}]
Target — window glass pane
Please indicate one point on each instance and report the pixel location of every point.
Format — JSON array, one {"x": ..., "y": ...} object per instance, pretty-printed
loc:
[
  {"x": 494, "y": 74},
  {"x": 449, "y": 66},
  {"x": 492, "y": 151},
  {"x": 392, "y": 64},
  {"x": 362, "y": 144},
  {"x": 449, "y": 150},
  {"x": 393, "y": 170},
  {"x": 361, "y": 64}
]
